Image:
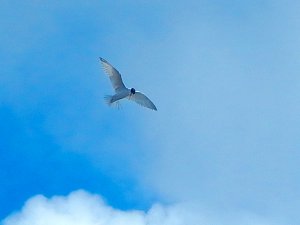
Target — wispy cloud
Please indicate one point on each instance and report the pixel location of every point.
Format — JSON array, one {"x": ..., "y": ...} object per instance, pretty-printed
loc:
[{"x": 227, "y": 88}]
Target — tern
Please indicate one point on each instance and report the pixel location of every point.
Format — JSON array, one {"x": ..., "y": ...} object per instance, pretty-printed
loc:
[{"x": 121, "y": 91}]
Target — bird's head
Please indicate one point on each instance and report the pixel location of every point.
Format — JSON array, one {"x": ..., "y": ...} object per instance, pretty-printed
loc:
[{"x": 132, "y": 91}]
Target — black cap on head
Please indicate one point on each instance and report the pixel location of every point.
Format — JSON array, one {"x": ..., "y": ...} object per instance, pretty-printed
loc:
[{"x": 132, "y": 90}]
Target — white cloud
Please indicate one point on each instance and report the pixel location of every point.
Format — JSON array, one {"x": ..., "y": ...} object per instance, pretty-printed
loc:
[{"x": 83, "y": 208}]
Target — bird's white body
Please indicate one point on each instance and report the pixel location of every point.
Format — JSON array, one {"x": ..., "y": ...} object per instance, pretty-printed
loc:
[
  {"x": 120, "y": 94},
  {"x": 121, "y": 90}
]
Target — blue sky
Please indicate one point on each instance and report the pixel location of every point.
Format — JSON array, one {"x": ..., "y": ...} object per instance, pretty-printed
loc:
[{"x": 224, "y": 77}]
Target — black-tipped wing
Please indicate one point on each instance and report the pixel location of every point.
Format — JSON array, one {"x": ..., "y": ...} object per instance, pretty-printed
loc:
[
  {"x": 114, "y": 75},
  {"x": 143, "y": 100}
]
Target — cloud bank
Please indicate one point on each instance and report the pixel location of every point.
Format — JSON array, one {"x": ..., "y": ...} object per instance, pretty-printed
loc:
[{"x": 83, "y": 208}]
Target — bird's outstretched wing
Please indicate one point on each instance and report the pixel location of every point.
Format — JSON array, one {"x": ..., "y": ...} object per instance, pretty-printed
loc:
[
  {"x": 114, "y": 75},
  {"x": 143, "y": 100}
]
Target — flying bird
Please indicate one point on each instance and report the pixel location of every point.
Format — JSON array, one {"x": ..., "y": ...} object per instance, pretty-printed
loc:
[{"x": 121, "y": 91}]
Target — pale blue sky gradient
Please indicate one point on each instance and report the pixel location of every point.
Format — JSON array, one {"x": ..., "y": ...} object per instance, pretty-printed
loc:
[{"x": 225, "y": 79}]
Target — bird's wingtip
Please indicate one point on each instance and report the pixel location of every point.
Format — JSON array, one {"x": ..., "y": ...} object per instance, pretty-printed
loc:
[
  {"x": 154, "y": 107},
  {"x": 102, "y": 60}
]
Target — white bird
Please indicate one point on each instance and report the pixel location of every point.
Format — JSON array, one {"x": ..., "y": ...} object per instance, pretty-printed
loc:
[{"x": 121, "y": 91}]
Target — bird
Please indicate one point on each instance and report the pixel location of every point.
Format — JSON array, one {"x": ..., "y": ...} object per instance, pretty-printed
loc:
[{"x": 121, "y": 91}]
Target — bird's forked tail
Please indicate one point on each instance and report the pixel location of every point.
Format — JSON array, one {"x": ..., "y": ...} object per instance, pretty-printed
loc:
[{"x": 109, "y": 101}]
